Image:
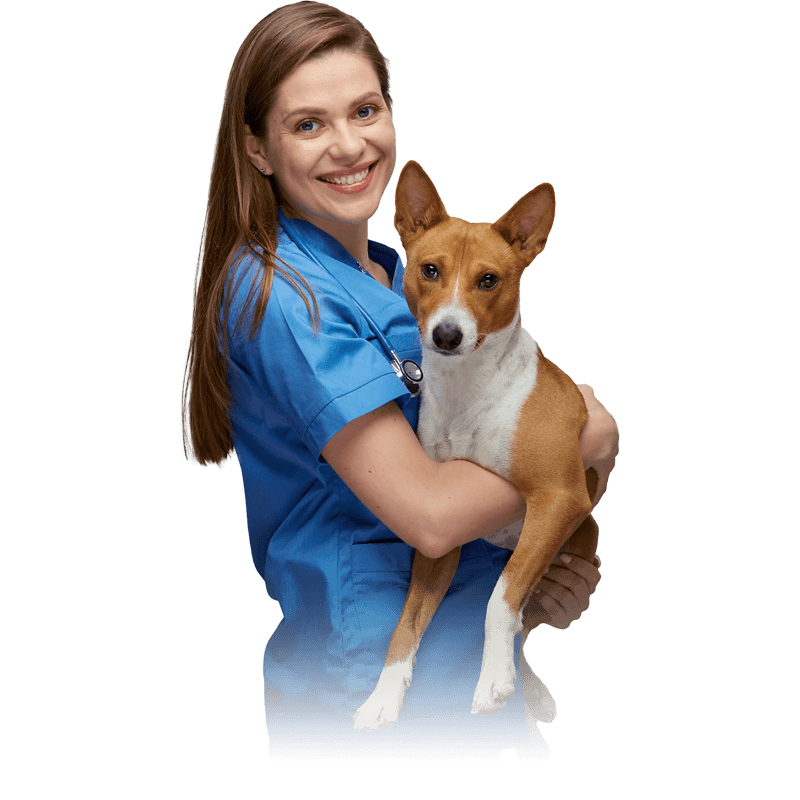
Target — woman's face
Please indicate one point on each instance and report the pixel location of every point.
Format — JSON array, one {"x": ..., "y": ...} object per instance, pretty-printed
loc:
[{"x": 330, "y": 140}]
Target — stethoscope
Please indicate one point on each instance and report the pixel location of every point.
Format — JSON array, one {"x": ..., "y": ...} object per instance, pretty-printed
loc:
[{"x": 407, "y": 370}]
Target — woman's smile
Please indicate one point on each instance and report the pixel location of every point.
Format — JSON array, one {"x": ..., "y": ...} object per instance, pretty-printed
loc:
[
  {"x": 350, "y": 181},
  {"x": 330, "y": 143}
]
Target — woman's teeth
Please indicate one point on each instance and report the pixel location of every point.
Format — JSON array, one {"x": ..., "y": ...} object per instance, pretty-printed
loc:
[{"x": 346, "y": 180}]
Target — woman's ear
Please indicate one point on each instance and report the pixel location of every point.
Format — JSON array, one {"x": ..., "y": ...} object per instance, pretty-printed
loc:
[{"x": 256, "y": 152}]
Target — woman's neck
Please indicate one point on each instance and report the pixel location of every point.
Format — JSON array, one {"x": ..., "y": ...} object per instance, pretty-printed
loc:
[{"x": 350, "y": 235}]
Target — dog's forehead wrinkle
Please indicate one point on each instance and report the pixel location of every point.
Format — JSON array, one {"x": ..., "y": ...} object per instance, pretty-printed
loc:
[
  {"x": 488, "y": 251},
  {"x": 437, "y": 245}
]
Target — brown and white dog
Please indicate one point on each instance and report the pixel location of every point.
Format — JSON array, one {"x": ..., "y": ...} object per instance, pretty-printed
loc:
[{"x": 489, "y": 396}]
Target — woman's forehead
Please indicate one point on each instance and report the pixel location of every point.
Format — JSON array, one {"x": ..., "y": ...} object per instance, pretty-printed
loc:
[{"x": 327, "y": 80}]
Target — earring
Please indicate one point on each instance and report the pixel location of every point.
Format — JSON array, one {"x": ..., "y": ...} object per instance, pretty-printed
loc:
[{"x": 263, "y": 170}]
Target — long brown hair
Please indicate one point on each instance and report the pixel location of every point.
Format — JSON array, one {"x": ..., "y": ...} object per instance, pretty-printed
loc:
[{"x": 242, "y": 208}]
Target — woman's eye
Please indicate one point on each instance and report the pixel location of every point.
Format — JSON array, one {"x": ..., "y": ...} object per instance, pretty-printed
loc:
[
  {"x": 488, "y": 281},
  {"x": 429, "y": 271},
  {"x": 313, "y": 126}
]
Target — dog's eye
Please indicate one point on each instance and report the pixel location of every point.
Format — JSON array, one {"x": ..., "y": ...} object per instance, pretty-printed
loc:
[
  {"x": 429, "y": 271},
  {"x": 488, "y": 281}
]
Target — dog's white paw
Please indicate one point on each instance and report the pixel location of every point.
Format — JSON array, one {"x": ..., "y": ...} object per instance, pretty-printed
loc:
[
  {"x": 539, "y": 702},
  {"x": 495, "y": 687},
  {"x": 383, "y": 706},
  {"x": 498, "y": 673},
  {"x": 376, "y": 713}
]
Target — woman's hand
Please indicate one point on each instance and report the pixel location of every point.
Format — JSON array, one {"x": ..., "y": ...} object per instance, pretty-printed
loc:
[
  {"x": 562, "y": 595},
  {"x": 600, "y": 436},
  {"x": 599, "y": 441}
]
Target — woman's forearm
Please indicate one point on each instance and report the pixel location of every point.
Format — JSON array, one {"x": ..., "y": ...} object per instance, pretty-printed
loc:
[
  {"x": 599, "y": 445},
  {"x": 499, "y": 504},
  {"x": 466, "y": 503}
]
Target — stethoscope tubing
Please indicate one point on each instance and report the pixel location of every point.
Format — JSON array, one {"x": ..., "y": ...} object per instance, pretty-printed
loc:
[{"x": 408, "y": 371}]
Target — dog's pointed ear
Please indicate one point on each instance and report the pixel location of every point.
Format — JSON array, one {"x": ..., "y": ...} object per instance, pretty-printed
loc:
[
  {"x": 527, "y": 225},
  {"x": 418, "y": 205}
]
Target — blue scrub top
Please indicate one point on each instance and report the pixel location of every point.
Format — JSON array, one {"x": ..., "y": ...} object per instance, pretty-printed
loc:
[{"x": 339, "y": 574}]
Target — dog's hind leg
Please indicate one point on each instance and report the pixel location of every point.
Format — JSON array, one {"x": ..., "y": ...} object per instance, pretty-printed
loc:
[
  {"x": 430, "y": 580},
  {"x": 539, "y": 703}
]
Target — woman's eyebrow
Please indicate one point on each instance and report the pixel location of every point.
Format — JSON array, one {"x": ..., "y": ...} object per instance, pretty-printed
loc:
[{"x": 308, "y": 111}]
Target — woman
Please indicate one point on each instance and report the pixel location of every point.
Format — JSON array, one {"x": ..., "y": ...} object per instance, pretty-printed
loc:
[{"x": 283, "y": 366}]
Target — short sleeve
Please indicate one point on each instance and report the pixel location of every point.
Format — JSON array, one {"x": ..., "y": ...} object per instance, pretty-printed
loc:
[{"x": 316, "y": 381}]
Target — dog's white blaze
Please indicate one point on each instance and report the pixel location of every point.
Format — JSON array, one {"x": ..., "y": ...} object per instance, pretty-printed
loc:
[{"x": 455, "y": 299}]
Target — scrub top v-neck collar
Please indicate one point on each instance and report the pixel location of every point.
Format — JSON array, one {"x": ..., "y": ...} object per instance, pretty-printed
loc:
[{"x": 322, "y": 242}]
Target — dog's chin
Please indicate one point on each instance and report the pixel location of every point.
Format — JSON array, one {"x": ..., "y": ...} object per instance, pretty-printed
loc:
[
  {"x": 449, "y": 353},
  {"x": 464, "y": 349}
]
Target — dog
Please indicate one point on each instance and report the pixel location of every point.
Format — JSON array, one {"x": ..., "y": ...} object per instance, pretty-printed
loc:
[{"x": 489, "y": 396}]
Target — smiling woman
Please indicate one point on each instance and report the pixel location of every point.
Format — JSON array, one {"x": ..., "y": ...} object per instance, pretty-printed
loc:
[
  {"x": 330, "y": 146},
  {"x": 242, "y": 210}
]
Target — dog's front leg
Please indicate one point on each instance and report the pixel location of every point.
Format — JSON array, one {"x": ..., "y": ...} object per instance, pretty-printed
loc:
[
  {"x": 430, "y": 580},
  {"x": 551, "y": 517},
  {"x": 582, "y": 543}
]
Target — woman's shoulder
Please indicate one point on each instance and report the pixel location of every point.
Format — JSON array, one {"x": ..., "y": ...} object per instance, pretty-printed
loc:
[{"x": 249, "y": 263}]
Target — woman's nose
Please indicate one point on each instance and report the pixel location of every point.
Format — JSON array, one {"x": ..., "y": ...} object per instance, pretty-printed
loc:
[{"x": 348, "y": 142}]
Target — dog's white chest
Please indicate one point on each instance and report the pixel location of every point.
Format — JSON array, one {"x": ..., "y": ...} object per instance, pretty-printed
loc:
[{"x": 471, "y": 405}]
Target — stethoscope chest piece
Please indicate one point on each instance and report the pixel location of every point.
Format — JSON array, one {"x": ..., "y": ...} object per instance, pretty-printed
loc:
[
  {"x": 409, "y": 372},
  {"x": 411, "y": 375}
]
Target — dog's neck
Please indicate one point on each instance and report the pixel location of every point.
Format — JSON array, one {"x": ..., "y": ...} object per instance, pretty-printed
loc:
[{"x": 465, "y": 376}]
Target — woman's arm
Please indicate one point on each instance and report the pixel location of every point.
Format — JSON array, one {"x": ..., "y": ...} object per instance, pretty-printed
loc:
[{"x": 433, "y": 507}]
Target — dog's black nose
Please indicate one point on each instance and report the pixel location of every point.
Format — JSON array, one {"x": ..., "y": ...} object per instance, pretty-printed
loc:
[{"x": 446, "y": 335}]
